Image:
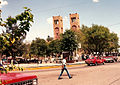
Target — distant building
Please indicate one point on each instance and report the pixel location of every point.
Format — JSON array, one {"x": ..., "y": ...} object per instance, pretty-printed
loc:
[
  {"x": 57, "y": 26},
  {"x": 74, "y": 21}
]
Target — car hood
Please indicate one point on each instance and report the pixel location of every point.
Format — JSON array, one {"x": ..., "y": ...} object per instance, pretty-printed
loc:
[{"x": 15, "y": 77}]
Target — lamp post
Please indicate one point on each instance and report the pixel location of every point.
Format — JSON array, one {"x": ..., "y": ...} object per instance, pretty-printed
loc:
[
  {"x": 76, "y": 47},
  {"x": 0, "y": 10},
  {"x": 0, "y": 13}
]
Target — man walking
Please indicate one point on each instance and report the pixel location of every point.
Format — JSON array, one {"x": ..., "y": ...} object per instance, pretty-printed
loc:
[{"x": 64, "y": 68}]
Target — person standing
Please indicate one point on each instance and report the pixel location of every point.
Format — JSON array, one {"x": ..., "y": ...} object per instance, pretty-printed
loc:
[{"x": 64, "y": 68}]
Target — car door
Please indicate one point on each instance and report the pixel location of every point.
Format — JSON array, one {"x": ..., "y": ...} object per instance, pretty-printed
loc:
[{"x": 99, "y": 60}]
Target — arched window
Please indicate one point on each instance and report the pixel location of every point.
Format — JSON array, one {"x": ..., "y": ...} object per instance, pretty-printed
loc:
[
  {"x": 56, "y": 30},
  {"x": 74, "y": 27}
]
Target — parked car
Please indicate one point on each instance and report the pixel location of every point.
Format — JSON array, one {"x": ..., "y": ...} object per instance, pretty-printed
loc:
[
  {"x": 94, "y": 60},
  {"x": 110, "y": 58},
  {"x": 18, "y": 79},
  {"x": 5, "y": 62}
]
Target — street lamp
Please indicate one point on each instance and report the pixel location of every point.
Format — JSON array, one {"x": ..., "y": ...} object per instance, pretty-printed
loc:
[
  {"x": 76, "y": 47},
  {"x": 0, "y": 10}
]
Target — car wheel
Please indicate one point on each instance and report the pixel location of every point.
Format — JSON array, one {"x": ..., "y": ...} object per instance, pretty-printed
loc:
[
  {"x": 112, "y": 61},
  {"x": 103, "y": 63},
  {"x": 88, "y": 64},
  {"x": 115, "y": 60},
  {"x": 96, "y": 64}
]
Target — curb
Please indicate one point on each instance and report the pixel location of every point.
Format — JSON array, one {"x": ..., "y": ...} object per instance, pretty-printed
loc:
[
  {"x": 35, "y": 68},
  {"x": 78, "y": 63}
]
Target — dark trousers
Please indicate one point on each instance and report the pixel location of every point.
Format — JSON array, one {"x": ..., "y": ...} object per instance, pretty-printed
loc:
[{"x": 63, "y": 71}]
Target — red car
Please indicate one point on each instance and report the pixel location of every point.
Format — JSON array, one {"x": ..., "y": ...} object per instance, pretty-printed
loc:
[
  {"x": 94, "y": 60},
  {"x": 110, "y": 58},
  {"x": 18, "y": 79}
]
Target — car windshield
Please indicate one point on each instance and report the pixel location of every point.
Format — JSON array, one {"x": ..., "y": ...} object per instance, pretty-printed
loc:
[
  {"x": 92, "y": 57},
  {"x": 107, "y": 57}
]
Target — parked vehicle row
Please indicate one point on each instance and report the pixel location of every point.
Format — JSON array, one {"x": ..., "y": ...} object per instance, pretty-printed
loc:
[
  {"x": 110, "y": 59},
  {"x": 95, "y": 60}
]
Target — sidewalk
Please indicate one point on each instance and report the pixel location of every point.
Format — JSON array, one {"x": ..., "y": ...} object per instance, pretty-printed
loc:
[
  {"x": 47, "y": 64},
  {"x": 33, "y": 67}
]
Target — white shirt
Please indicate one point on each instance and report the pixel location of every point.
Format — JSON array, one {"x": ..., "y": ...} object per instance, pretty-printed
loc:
[
  {"x": 0, "y": 61},
  {"x": 64, "y": 61}
]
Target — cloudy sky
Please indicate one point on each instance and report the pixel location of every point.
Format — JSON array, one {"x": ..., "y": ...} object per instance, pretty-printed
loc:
[{"x": 101, "y": 12}]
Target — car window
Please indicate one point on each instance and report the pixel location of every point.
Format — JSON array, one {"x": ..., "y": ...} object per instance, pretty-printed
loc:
[
  {"x": 93, "y": 58},
  {"x": 96, "y": 57}
]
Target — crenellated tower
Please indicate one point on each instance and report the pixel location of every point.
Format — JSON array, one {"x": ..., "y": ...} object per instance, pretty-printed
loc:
[
  {"x": 57, "y": 26},
  {"x": 74, "y": 21}
]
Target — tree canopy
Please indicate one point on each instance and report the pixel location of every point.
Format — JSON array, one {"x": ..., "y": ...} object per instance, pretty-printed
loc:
[
  {"x": 38, "y": 47},
  {"x": 69, "y": 41},
  {"x": 16, "y": 30},
  {"x": 55, "y": 46},
  {"x": 98, "y": 39}
]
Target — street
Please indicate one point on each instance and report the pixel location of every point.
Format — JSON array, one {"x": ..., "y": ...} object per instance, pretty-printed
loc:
[
  {"x": 108, "y": 74},
  {"x": 39, "y": 39}
]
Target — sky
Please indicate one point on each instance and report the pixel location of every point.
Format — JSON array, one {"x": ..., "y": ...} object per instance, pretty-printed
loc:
[{"x": 101, "y": 12}]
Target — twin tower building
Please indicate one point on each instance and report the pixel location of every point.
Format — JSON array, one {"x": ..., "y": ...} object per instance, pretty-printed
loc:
[{"x": 58, "y": 24}]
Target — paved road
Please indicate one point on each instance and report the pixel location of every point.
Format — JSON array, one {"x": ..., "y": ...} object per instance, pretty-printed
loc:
[{"x": 108, "y": 74}]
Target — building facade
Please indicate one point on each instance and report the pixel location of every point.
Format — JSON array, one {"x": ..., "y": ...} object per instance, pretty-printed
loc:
[{"x": 57, "y": 26}]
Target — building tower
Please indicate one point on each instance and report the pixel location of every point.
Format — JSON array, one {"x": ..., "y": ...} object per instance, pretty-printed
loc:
[
  {"x": 57, "y": 26},
  {"x": 74, "y": 22}
]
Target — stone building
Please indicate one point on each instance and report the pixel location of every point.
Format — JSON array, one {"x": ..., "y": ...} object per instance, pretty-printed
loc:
[{"x": 57, "y": 26}]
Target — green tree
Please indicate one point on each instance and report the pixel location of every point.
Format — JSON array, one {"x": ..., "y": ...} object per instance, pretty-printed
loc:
[
  {"x": 69, "y": 41},
  {"x": 80, "y": 39},
  {"x": 55, "y": 47},
  {"x": 38, "y": 47},
  {"x": 25, "y": 50},
  {"x": 4, "y": 43},
  {"x": 97, "y": 38},
  {"x": 84, "y": 44},
  {"x": 113, "y": 43},
  {"x": 16, "y": 30}
]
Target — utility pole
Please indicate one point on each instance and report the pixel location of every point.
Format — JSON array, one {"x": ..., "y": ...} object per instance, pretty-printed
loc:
[
  {"x": 0, "y": 10},
  {"x": 0, "y": 13}
]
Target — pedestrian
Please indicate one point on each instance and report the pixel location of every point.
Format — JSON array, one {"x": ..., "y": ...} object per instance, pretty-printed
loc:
[
  {"x": 87, "y": 56},
  {"x": 1, "y": 65},
  {"x": 64, "y": 68},
  {"x": 83, "y": 57}
]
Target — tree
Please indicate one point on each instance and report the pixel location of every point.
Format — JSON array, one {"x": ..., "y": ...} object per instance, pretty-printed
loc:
[
  {"x": 69, "y": 41},
  {"x": 55, "y": 47},
  {"x": 16, "y": 30},
  {"x": 25, "y": 50},
  {"x": 113, "y": 43},
  {"x": 38, "y": 47},
  {"x": 84, "y": 42},
  {"x": 4, "y": 44},
  {"x": 97, "y": 38},
  {"x": 80, "y": 39}
]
